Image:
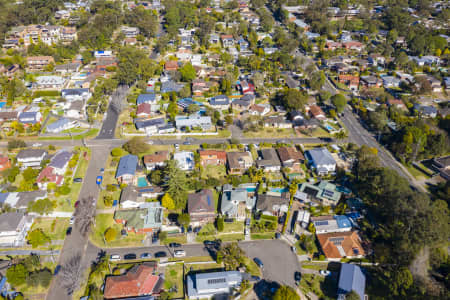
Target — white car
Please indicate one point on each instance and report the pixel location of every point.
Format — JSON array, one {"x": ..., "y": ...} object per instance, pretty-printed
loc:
[
  {"x": 36, "y": 145},
  {"x": 115, "y": 257},
  {"x": 72, "y": 220},
  {"x": 324, "y": 272},
  {"x": 149, "y": 142},
  {"x": 179, "y": 253},
  {"x": 294, "y": 249}
]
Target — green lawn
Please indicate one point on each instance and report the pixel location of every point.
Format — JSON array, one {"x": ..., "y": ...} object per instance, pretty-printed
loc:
[
  {"x": 173, "y": 276},
  {"x": 323, "y": 287},
  {"x": 271, "y": 133},
  {"x": 201, "y": 267},
  {"x": 236, "y": 226},
  {"x": 223, "y": 237},
  {"x": 89, "y": 133},
  {"x": 103, "y": 222},
  {"x": 252, "y": 267},
  {"x": 66, "y": 203},
  {"x": 214, "y": 172},
  {"x": 181, "y": 239},
  {"x": 262, "y": 236},
  {"x": 55, "y": 232},
  {"x": 417, "y": 173}
]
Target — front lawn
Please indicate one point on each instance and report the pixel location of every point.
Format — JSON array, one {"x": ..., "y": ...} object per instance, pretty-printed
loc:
[
  {"x": 54, "y": 228},
  {"x": 263, "y": 236},
  {"x": 181, "y": 239},
  {"x": 212, "y": 171},
  {"x": 223, "y": 237},
  {"x": 173, "y": 279},
  {"x": 252, "y": 267},
  {"x": 271, "y": 133},
  {"x": 234, "y": 227},
  {"x": 323, "y": 287}
]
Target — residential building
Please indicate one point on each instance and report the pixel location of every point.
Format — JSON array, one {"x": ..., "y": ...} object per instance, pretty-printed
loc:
[
  {"x": 126, "y": 170},
  {"x": 235, "y": 202},
  {"x": 134, "y": 197},
  {"x": 5, "y": 162},
  {"x": 142, "y": 220},
  {"x": 259, "y": 109},
  {"x": 140, "y": 280},
  {"x": 68, "y": 68},
  {"x": 303, "y": 217},
  {"x": 277, "y": 122},
  {"x": 49, "y": 82},
  {"x": 427, "y": 111},
  {"x": 290, "y": 158},
  {"x": 370, "y": 81},
  {"x": 170, "y": 86},
  {"x": 201, "y": 207},
  {"x": 324, "y": 193},
  {"x": 146, "y": 98},
  {"x": 39, "y": 63},
  {"x": 351, "y": 278},
  {"x": 321, "y": 161},
  {"x": 14, "y": 227},
  {"x": 338, "y": 245},
  {"x": 269, "y": 160},
  {"x": 156, "y": 160},
  {"x": 75, "y": 110},
  {"x": 273, "y": 204},
  {"x": 129, "y": 31},
  {"x": 442, "y": 165},
  {"x": 227, "y": 40},
  {"x": 61, "y": 125},
  {"x": 209, "y": 285},
  {"x": 48, "y": 175},
  {"x": 171, "y": 65},
  {"x": 317, "y": 113},
  {"x": 239, "y": 162},
  {"x": 151, "y": 126},
  {"x": 185, "y": 160},
  {"x": 20, "y": 200},
  {"x": 71, "y": 95},
  {"x": 193, "y": 121},
  {"x": 328, "y": 224},
  {"x": 143, "y": 110},
  {"x": 212, "y": 157},
  {"x": 30, "y": 117},
  {"x": 31, "y": 158},
  {"x": 8, "y": 116},
  {"x": 60, "y": 161},
  {"x": 220, "y": 102}
]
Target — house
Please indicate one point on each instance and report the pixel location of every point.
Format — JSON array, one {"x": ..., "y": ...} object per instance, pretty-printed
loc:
[
  {"x": 76, "y": 94},
  {"x": 8, "y": 115},
  {"x": 213, "y": 38},
  {"x": 185, "y": 160},
  {"x": 20, "y": 200},
  {"x": 277, "y": 122},
  {"x": 427, "y": 111},
  {"x": 14, "y": 227},
  {"x": 68, "y": 68},
  {"x": 238, "y": 162},
  {"x": 370, "y": 81},
  {"x": 129, "y": 31},
  {"x": 48, "y": 175},
  {"x": 30, "y": 117},
  {"x": 156, "y": 160},
  {"x": 351, "y": 278},
  {"x": 193, "y": 121},
  {"x": 353, "y": 45},
  {"x": 143, "y": 110},
  {"x": 321, "y": 160},
  {"x": 39, "y": 63},
  {"x": 390, "y": 82},
  {"x": 60, "y": 161},
  {"x": 351, "y": 81},
  {"x": 31, "y": 158},
  {"x": 126, "y": 170},
  {"x": 212, "y": 157},
  {"x": 134, "y": 197},
  {"x": 220, "y": 102},
  {"x": 317, "y": 113},
  {"x": 447, "y": 84},
  {"x": 146, "y": 98},
  {"x": 235, "y": 202},
  {"x": 339, "y": 245},
  {"x": 5, "y": 162},
  {"x": 75, "y": 110},
  {"x": 328, "y": 224},
  {"x": 151, "y": 126},
  {"x": 201, "y": 207},
  {"x": 324, "y": 193},
  {"x": 49, "y": 82},
  {"x": 273, "y": 204},
  {"x": 269, "y": 160},
  {"x": 170, "y": 86},
  {"x": 290, "y": 158},
  {"x": 259, "y": 109},
  {"x": 141, "y": 220},
  {"x": 442, "y": 165},
  {"x": 171, "y": 65},
  {"x": 241, "y": 104},
  {"x": 103, "y": 63},
  {"x": 303, "y": 217},
  {"x": 227, "y": 40},
  {"x": 246, "y": 88},
  {"x": 139, "y": 280},
  {"x": 208, "y": 285}
]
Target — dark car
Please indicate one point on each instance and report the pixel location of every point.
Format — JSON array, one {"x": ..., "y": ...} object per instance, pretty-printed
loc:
[
  {"x": 130, "y": 256},
  {"x": 154, "y": 239},
  {"x": 277, "y": 235},
  {"x": 247, "y": 222},
  {"x": 189, "y": 230},
  {"x": 160, "y": 254},
  {"x": 78, "y": 179},
  {"x": 102, "y": 170},
  {"x": 297, "y": 277},
  {"x": 57, "y": 269},
  {"x": 258, "y": 262},
  {"x": 174, "y": 245},
  {"x": 209, "y": 243},
  {"x": 69, "y": 231},
  {"x": 146, "y": 255}
]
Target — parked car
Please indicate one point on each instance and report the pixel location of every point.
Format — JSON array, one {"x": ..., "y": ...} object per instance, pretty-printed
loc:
[
  {"x": 72, "y": 220},
  {"x": 277, "y": 235},
  {"x": 179, "y": 253},
  {"x": 115, "y": 257},
  {"x": 57, "y": 269},
  {"x": 258, "y": 262},
  {"x": 130, "y": 256},
  {"x": 324, "y": 272},
  {"x": 246, "y": 231},
  {"x": 297, "y": 277},
  {"x": 154, "y": 239},
  {"x": 160, "y": 254},
  {"x": 174, "y": 245},
  {"x": 99, "y": 180},
  {"x": 150, "y": 142},
  {"x": 209, "y": 243},
  {"x": 247, "y": 222},
  {"x": 177, "y": 146},
  {"x": 102, "y": 170},
  {"x": 69, "y": 231},
  {"x": 146, "y": 255},
  {"x": 78, "y": 179},
  {"x": 294, "y": 249}
]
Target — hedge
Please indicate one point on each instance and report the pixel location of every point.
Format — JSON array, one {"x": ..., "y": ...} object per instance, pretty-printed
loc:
[{"x": 37, "y": 94}]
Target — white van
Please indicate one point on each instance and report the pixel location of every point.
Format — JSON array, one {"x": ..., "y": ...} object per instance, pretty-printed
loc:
[
  {"x": 115, "y": 257},
  {"x": 179, "y": 253}
]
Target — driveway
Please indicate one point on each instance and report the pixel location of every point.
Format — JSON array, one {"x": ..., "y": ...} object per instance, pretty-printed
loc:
[{"x": 280, "y": 263}]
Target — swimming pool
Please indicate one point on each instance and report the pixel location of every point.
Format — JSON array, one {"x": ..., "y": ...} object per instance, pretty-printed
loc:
[
  {"x": 142, "y": 181},
  {"x": 328, "y": 127},
  {"x": 279, "y": 190}
]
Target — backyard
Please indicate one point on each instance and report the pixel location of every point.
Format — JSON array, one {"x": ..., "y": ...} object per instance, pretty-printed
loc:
[
  {"x": 322, "y": 287},
  {"x": 173, "y": 276}
]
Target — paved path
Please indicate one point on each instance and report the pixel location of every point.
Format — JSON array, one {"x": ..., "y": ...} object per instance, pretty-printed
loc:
[{"x": 29, "y": 252}]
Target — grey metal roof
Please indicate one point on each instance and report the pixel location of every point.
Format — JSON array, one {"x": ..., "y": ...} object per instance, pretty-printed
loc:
[
  {"x": 31, "y": 153},
  {"x": 269, "y": 158},
  {"x": 60, "y": 159},
  {"x": 231, "y": 199},
  {"x": 351, "y": 278},
  {"x": 58, "y": 124},
  {"x": 206, "y": 283},
  {"x": 145, "y": 98},
  {"x": 10, "y": 221},
  {"x": 127, "y": 165},
  {"x": 147, "y": 123},
  {"x": 320, "y": 156}
]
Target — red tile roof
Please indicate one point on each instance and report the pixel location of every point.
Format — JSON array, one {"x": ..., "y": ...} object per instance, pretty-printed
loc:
[
  {"x": 143, "y": 108},
  {"x": 138, "y": 281},
  {"x": 50, "y": 176},
  {"x": 348, "y": 243},
  {"x": 205, "y": 154}
]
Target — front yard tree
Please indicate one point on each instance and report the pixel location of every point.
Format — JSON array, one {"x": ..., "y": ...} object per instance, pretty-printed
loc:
[
  {"x": 110, "y": 234},
  {"x": 188, "y": 72},
  {"x": 339, "y": 101},
  {"x": 220, "y": 224},
  {"x": 175, "y": 183},
  {"x": 17, "y": 274},
  {"x": 167, "y": 202},
  {"x": 184, "y": 219},
  {"x": 294, "y": 99},
  {"x": 232, "y": 256},
  {"x": 135, "y": 146},
  {"x": 41, "y": 206},
  {"x": 285, "y": 292},
  {"x": 37, "y": 238}
]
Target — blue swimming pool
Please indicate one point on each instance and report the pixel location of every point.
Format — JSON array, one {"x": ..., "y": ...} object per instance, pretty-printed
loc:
[
  {"x": 142, "y": 181},
  {"x": 251, "y": 189},
  {"x": 279, "y": 190},
  {"x": 328, "y": 127},
  {"x": 2, "y": 104}
]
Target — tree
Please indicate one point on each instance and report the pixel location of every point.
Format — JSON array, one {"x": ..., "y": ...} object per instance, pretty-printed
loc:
[
  {"x": 220, "y": 224},
  {"x": 41, "y": 206},
  {"x": 232, "y": 255},
  {"x": 184, "y": 219},
  {"x": 17, "y": 274},
  {"x": 85, "y": 215},
  {"x": 352, "y": 296},
  {"x": 339, "y": 101},
  {"x": 37, "y": 238},
  {"x": 317, "y": 80},
  {"x": 188, "y": 72},
  {"x": 70, "y": 274},
  {"x": 136, "y": 146},
  {"x": 117, "y": 152},
  {"x": 285, "y": 292},
  {"x": 110, "y": 234},
  {"x": 14, "y": 144},
  {"x": 193, "y": 108},
  {"x": 294, "y": 99},
  {"x": 175, "y": 182},
  {"x": 167, "y": 202}
]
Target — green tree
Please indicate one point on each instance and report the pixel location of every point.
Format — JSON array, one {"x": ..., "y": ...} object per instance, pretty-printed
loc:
[
  {"x": 294, "y": 99},
  {"x": 175, "y": 182},
  {"x": 17, "y": 274},
  {"x": 117, "y": 152},
  {"x": 232, "y": 256},
  {"x": 187, "y": 72},
  {"x": 41, "y": 206},
  {"x": 285, "y": 292},
  {"x": 110, "y": 234},
  {"x": 220, "y": 224},
  {"x": 37, "y": 238},
  {"x": 167, "y": 202},
  {"x": 184, "y": 219},
  {"x": 136, "y": 146},
  {"x": 339, "y": 101},
  {"x": 352, "y": 296},
  {"x": 193, "y": 108},
  {"x": 317, "y": 80}
]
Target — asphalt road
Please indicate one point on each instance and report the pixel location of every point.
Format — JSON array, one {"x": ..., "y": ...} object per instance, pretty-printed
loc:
[{"x": 112, "y": 114}]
